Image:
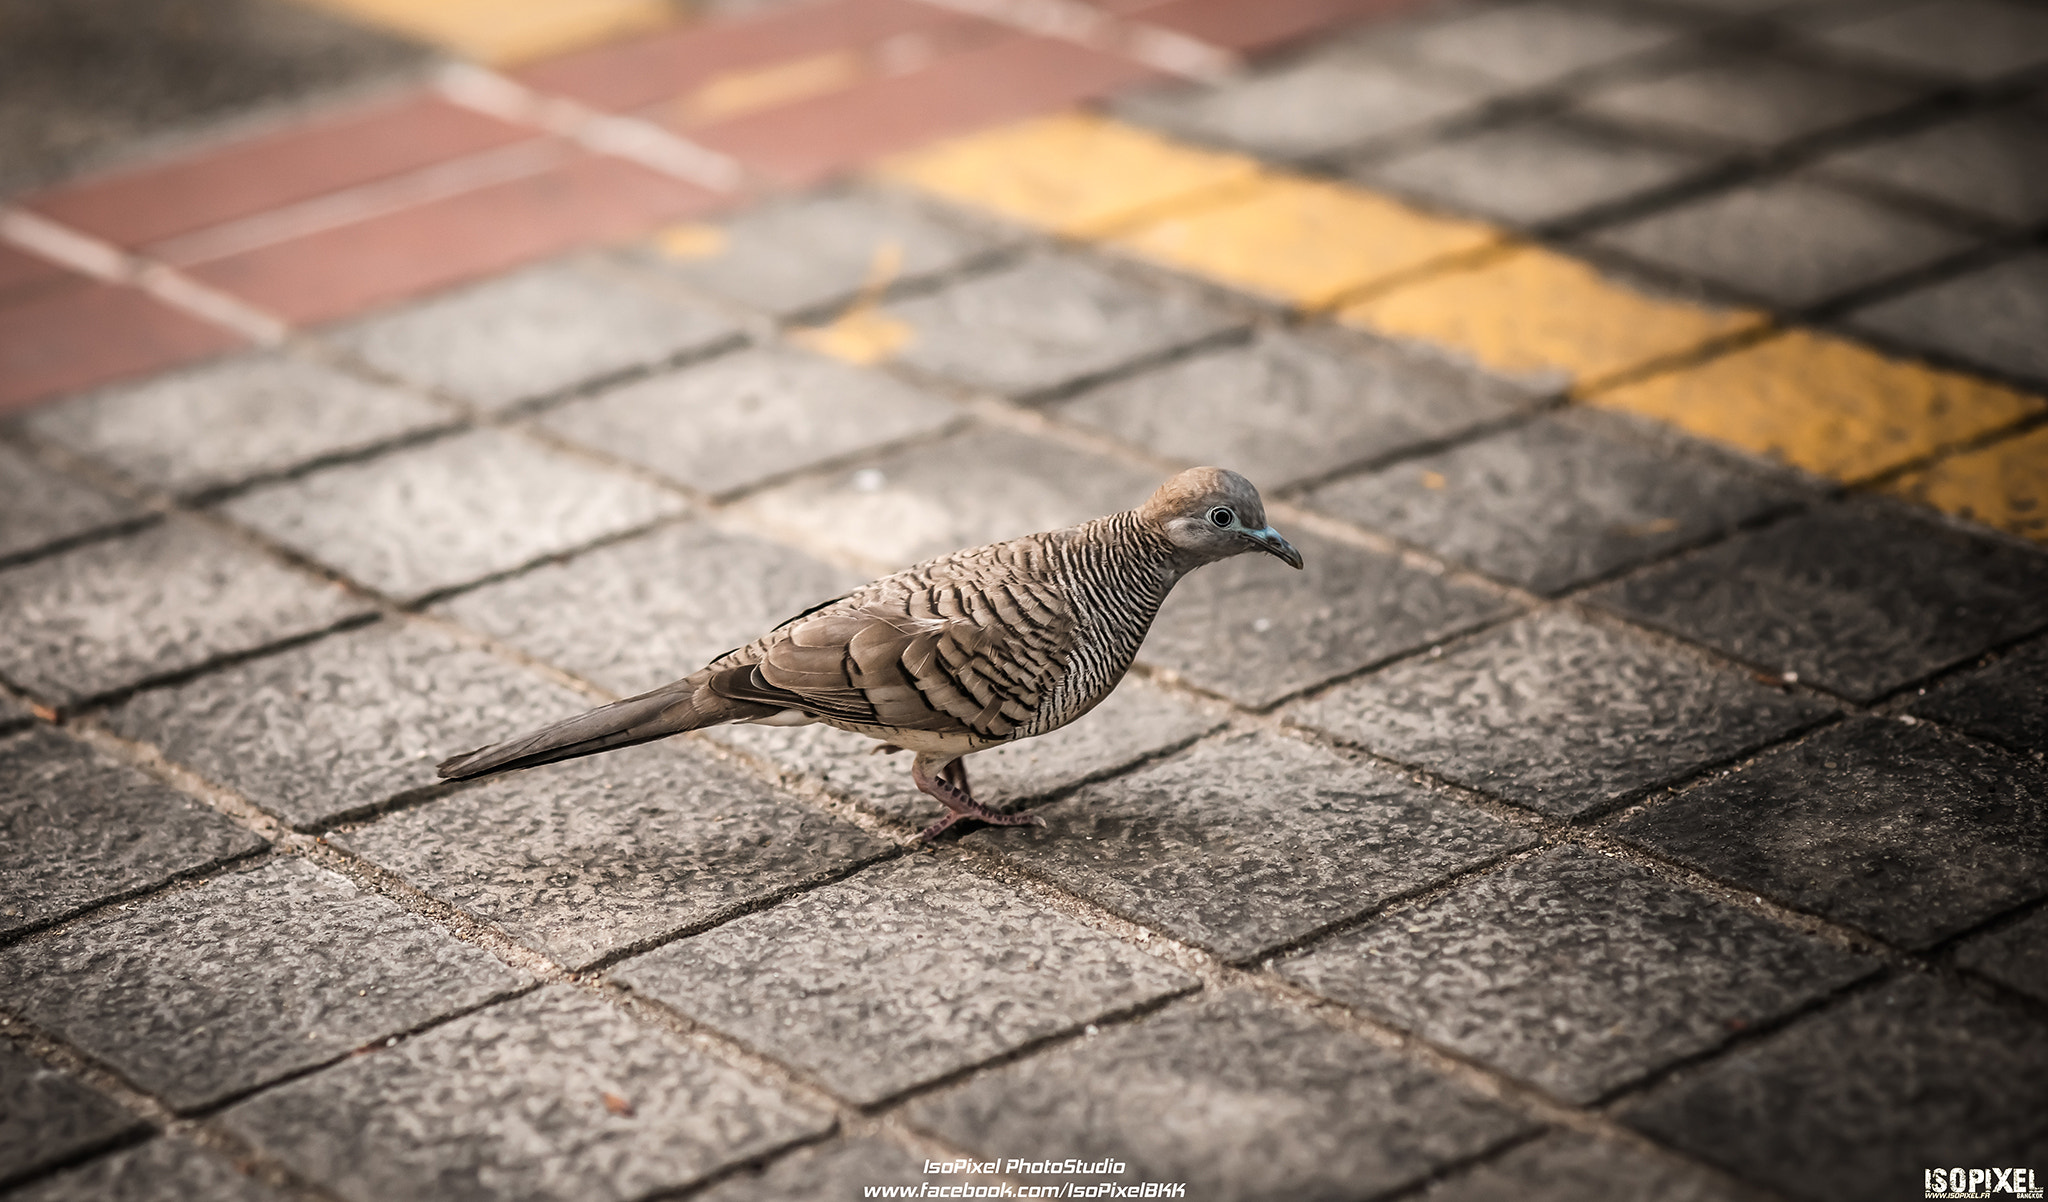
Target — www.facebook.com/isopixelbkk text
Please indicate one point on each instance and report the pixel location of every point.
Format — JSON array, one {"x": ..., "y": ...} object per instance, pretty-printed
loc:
[{"x": 1082, "y": 1179}]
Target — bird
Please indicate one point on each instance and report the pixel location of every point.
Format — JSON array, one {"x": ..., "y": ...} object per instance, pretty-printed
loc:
[{"x": 951, "y": 656}]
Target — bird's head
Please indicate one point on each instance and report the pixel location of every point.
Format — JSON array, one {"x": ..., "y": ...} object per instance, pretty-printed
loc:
[{"x": 1212, "y": 514}]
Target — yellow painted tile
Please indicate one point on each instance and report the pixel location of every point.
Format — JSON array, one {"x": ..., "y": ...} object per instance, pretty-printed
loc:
[
  {"x": 1303, "y": 241},
  {"x": 1534, "y": 313},
  {"x": 506, "y": 31},
  {"x": 1072, "y": 174},
  {"x": 2003, "y": 485},
  {"x": 732, "y": 93},
  {"x": 1823, "y": 404}
]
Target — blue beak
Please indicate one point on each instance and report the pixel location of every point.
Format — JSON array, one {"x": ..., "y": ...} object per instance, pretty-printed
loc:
[{"x": 1271, "y": 543}]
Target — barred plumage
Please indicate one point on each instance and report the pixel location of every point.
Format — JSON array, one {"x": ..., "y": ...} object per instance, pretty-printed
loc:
[{"x": 952, "y": 656}]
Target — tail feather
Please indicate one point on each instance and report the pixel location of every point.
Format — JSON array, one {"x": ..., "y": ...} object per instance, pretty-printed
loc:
[{"x": 666, "y": 711}]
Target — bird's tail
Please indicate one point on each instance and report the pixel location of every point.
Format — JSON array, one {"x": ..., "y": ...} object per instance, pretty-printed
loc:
[{"x": 669, "y": 710}]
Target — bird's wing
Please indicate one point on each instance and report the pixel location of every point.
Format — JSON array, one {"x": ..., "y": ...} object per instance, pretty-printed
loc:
[{"x": 942, "y": 659}]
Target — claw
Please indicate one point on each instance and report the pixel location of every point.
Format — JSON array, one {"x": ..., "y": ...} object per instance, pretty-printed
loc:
[{"x": 950, "y": 788}]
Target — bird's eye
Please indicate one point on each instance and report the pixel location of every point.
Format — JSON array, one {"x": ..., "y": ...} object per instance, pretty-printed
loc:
[{"x": 1221, "y": 517}]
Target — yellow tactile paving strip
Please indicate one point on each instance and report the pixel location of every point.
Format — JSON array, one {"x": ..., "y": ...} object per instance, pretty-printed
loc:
[
  {"x": 1818, "y": 403},
  {"x": 500, "y": 32}
]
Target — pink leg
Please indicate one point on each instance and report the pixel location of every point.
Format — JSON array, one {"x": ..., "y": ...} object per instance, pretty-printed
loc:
[{"x": 950, "y": 788}]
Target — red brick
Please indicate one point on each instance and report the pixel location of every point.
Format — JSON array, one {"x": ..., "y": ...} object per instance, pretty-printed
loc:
[
  {"x": 82, "y": 333},
  {"x": 22, "y": 275},
  {"x": 1015, "y": 78},
  {"x": 343, "y": 271},
  {"x": 1253, "y": 25},
  {"x": 140, "y": 207},
  {"x": 631, "y": 75}
]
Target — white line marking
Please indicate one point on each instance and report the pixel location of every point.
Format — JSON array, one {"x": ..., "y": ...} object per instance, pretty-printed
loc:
[{"x": 1154, "y": 46}]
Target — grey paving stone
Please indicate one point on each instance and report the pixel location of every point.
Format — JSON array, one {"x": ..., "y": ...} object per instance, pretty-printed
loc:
[
  {"x": 741, "y": 419},
  {"x": 1788, "y": 242},
  {"x": 554, "y": 1095},
  {"x": 199, "y": 995},
  {"x": 14, "y": 713},
  {"x": 2005, "y": 703},
  {"x": 1565, "y": 1166},
  {"x": 77, "y": 828},
  {"x": 416, "y": 521},
  {"x": 2015, "y": 955},
  {"x": 1752, "y": 99},
  {"x": 1257, "y": 632},
  {"x": 1990, "y": 162},
  {"x": 589, "y": 860},
  {"x": 1859, "y": 1101},
  {"x": 638, "y": 613},
  {"x": 1910, "y": 833},
  {"x": 1556, "y": 502},
  {"x": 1541, "y": 43},
  {"x": 1991, "y": 318},
  {"x": 1858, "y": 601},
  {"x": 899, "y": 975},
  {"x": 227, "y": 421},
  {"x": 1333, "y": 98},
  {"x": 40, "y": 506},
  {"x": 1048, "y": 323},
  {"x": 1967, "y": 39},
  {"x": 162, "y": 1170},
  {"x": 811, "y": 253},
  {"x": 1232, "y": 1095},
  {"x": 1140, "y": 719},
  {"x": 1534, "y": 170},
  {"x": 1560, "y": 714},
  {"x": 1288, "y": 406},
  {"x": 979, "y": 486},
  {"x": 1575, "y": 971},
  {"x": 836, "y": 1170},
  {"x": 343, "y": 724},
  {"x": 536, "y": 333},
  {"x": 175, "y": 596},
  {"x": 47, "y": 1117},
  {"x": 1252, "y": 841}
]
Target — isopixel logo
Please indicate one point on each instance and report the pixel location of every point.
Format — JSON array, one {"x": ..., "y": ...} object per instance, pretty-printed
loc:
[{"x": 1982, "y": 1183}]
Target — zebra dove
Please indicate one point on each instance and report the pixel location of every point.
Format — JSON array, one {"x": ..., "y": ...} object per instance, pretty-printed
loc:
[{"x": 955, "y": 655}]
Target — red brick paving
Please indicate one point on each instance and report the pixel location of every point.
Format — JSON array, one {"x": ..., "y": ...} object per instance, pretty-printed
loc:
[
  {"x": 23, "y": 275},
  {"x": 78, "y": 333}
]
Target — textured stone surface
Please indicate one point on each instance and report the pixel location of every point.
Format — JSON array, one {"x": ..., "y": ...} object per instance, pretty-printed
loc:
[
  {"x": 1560, "y": 714},
  {"x": 1755, "y": 100},
  {"x": 588, "y": 860},
  {"x": 2015, "y": 955},
  {"x": 345, "y": 723},
  {"x": 200, "y": 995},
  {"x": 1255, "y": 631},
  {"x": 1969, "y": 39},
  {"x": 175, "y": 596},
  {"x": 1050, "y": 322},
  {"x": 162, "y": 1170},
  {"x": 1138, "y": 720},
  {"x": 1910, "y": 833},
  {"x": 40, "y": 506},
  {"x": 1234, "y": 1096},
  {"x": 1576, "y": 972},
  {"x": 1991, "y": 318},
  {"x": 1251, "y": 841},
  {"x": 1543, "y": 42},
  {"x": 537, "y": 333},
  {"x": 516, "y": 1102},
  {"x": 1289, "y": 406},
  {"x": 1789, "y": 242},
  {"x": 1556, "y": 502},
  {"x": 741, "y": 419},
  {"x": 809, "y": 253},
  {"x": 225, "y": 422},
  {"x": 432, "y": 517},
  {"x": 835, "y": 1170},
  {"x": 905, "y": 506},
  {"x": 47, "y": 1117},
  {"x": 1331, "y": 99},
  {"x": 1857, "y": 601},
  {"x": 1987, "y": 162},
  {"x": 1859, "y": 1101},
  {"x": 1533, "y": 171},
  {"x": 1565, "y": 1166},
  {"x": 2006, "y": 702},
  {"x": 77, "y": 828},
  {"x": 665, "y": 603},
  {"x": 900, "y": 975}
]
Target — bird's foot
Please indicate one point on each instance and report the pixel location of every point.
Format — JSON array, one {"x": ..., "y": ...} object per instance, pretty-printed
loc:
[{"x": 951, "y": 790}]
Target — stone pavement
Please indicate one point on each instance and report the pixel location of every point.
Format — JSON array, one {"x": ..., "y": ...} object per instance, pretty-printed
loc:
[{"x": 1641, "y": 795}]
